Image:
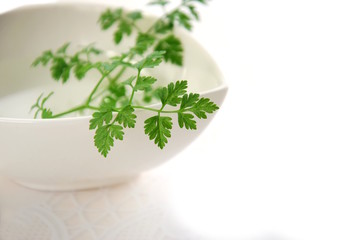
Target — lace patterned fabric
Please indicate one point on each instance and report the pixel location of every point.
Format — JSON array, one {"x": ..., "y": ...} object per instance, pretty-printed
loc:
[{"x": 129, "y": 211}]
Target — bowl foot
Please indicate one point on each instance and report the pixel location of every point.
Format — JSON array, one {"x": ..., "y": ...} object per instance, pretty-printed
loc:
[{"x": 83, "y": 185}]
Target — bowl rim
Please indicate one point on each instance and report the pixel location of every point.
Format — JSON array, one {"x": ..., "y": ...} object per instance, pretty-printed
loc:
[{"x": 222, "y": 84}]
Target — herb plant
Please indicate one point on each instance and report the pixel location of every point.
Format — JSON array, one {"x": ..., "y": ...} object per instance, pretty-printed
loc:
[{"x": 116, "y": 109}]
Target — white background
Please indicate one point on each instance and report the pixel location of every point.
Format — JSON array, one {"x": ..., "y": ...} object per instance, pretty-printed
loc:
[{"x": 280, "y": 160}]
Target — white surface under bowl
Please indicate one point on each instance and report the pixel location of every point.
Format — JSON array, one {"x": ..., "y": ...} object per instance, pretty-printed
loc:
[{"x": 59, "y": 154}]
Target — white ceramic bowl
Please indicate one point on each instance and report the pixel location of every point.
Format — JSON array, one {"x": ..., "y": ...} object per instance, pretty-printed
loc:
[{"x": 59, "y": 154}]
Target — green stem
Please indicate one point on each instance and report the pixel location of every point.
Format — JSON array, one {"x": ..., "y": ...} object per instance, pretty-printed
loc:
[
  {"x": 136, "y": 27},
  {"x": 95, "y": 89},
  {"x": 75, "y": 109},
  {"x": 133, "y": 88},
  {"x": 93, "y": 107},
  {"x": 156, "y": 110},
  {"x": 123, "y": 69},
  {"x": 119, "y": 74},
  {"x": 99, "y": 94}
]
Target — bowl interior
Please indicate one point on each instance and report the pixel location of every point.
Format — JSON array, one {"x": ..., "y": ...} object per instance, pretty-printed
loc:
[{"x": 27, "y": 32}]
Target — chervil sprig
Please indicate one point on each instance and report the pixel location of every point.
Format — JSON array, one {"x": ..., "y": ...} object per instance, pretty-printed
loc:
[
  {"x": 62, "y": 63},
  {"x": 158, "y": 127},
  {"x": 40, "y": 106},
  {"x": 114, "y": 112}
]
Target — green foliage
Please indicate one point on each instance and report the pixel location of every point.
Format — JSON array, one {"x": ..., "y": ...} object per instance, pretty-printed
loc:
[
  {"x": 124, "y": 28},
  {"x": 171, "y": 94},
  {"x": 61, "y": 63},
  {"x": 101, "y": 117},
  {"x": 150, "y": 61},
  {"x": 125, "y": 22},
  {"x": 116, "y": 107},
  {"x": 182, "y": 18},
  {"x": 43, "y": 59},
  {"x": 183, "y": 15},
  {"x": 81, "y": 68},
  {"x": 143, "y": 42},
  {"x": 173, "y": 49},
  {"x": 63, "y": 48},
  {"x": 159, "y": 2},
  {"x": 135, "y": 15},
  {"x": 163, "y": 26},
  {"x": 109, "y": 17},
  {"x": 202, "y": 107},
  {"x": 144, "y": 82},
  {"x": 188, "y": 100},
  {"x": 158, "y": 129},
  {"x": 40, "y": 106},
  {"x": 186, "y": 119},
  {"x": 60, "y": 69},
  {"x": 104, "y": 137},
  {"x": 118, "y": 90},
  {"x": 126, "y": 117}
]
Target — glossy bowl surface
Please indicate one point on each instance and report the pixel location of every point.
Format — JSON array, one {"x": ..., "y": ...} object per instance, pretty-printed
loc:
[{"x": 59, "y": 154}]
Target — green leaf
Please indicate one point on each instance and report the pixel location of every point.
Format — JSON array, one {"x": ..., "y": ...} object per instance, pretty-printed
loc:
[
  {"x": 202, "y": 1},
  {"x": 144, "y": 82},
  {"x": 143, "y": 42},
  {"x": 203, "y": 106},
  {"x": 199, "y": 1},
  {"x": 171, "y": 94},
  {"x": 188, "y": 100},
  {"x": 147, "y": 98},
  {"x": 101, "y": 117},
  {"x": 117, "y": 36},
  {"x": 126, "y": 117},
  {"x": 46, "y": 113},
  {"x": 150, "y": 61},
  {"x": 93, "y": 50},
  {"x": 81, "y": 69},
  {"x": 129, "y": 80},
  {"x": 44, "y": 59},
  {"x": 117, "y": 90},
  {"x": 186, "y": 119},
  {"x": 107, "y": 67},
  {"x": 62, "y": 64},
  {"x": 75, "y": 59},
  {"x": 88, "y": 50},
  {"x": 110, "y": 101},
  {"x": 124, "y": 28},
  {"x": 109, "y": 17},
  {"x": 193, "y": 11},
  {"x": 116, "y": 131},
  {"x": 158, "y": 129},
  {"x": 116, "y": 61},
  {"x": 135, "y": 15},
  {"x": 182, "y": 19},
  {"x": 66, "y": 74},
  {"x": 63, "y": 48},
  {"x": 103, "y": 140},
  {"x": 159, "y": 2},
  {"x": 173, "y": 49},
  {"x": 60, "y": 69},
  {"x": 163, "y": 26}
]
